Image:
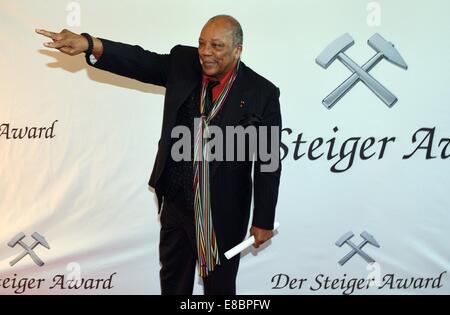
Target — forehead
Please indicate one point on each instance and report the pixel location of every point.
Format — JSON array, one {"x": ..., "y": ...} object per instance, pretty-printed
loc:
[{"x": 217, "y": 30}]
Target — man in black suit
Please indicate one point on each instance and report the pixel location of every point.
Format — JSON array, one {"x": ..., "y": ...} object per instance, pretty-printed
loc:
[{"x": 200, "y": 222}]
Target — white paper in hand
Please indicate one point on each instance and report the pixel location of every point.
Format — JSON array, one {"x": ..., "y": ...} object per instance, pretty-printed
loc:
[{"x": 243, "y": 245}]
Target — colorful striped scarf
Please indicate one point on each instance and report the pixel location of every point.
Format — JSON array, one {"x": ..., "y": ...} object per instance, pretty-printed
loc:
[{"x": 207, "y": 250}]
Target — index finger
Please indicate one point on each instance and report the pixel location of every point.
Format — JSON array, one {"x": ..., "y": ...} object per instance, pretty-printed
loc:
[{"x": 46, "y": 33}]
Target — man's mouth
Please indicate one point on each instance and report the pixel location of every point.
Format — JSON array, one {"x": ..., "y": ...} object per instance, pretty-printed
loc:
[{"x": 209, "y": 63}]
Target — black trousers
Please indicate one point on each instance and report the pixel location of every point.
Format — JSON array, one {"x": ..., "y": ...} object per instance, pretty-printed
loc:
[{"x": 178, "y": 255}]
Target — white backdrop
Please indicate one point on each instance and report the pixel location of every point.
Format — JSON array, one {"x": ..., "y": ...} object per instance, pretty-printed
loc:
[{"x": 85, "y": 189}]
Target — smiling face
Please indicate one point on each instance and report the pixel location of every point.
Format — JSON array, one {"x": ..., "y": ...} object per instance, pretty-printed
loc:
[{"x": 216, "y": 48}]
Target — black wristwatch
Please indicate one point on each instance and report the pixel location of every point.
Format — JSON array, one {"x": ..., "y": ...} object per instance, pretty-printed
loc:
[{"x": 90, "y": 43}]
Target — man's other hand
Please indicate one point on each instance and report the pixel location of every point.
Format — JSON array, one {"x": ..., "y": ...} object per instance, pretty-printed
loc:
[{"x": 260, "y": 235}]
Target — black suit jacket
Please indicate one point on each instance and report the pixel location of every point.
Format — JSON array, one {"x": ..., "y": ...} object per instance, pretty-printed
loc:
[{"x": 252, "y": 100}]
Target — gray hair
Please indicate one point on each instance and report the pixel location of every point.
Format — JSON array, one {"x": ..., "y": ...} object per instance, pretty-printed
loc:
[{"x": 238, "y": 35}]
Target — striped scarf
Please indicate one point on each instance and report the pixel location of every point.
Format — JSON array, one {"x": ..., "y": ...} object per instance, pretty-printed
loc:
[{"x": 207, "y": 251}]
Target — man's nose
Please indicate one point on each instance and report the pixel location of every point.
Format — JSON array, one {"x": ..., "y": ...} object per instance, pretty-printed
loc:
[{"x": 205, "y": 50}]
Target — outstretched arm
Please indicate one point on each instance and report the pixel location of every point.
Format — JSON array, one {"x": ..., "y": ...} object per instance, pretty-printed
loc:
[{"x": 119, "y": 58}]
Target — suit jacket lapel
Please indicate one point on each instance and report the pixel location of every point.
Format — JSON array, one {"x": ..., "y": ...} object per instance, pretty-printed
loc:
[
  {"x": 185, "y": 85},
  {"x": 233, "y": 109}
]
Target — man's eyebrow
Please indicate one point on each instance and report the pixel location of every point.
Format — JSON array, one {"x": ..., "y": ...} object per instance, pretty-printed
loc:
[{"x": 213, "y": 40}]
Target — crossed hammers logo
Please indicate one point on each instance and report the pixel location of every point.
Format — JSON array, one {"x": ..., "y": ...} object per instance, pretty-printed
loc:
[
  {"x": 384, "y": 49},
  {"x": 357, "y": 249},
  {"x": 28, "y": 250}
]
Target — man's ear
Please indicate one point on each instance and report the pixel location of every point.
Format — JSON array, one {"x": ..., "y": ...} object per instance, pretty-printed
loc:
[{"x": 238, "y": 51}]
